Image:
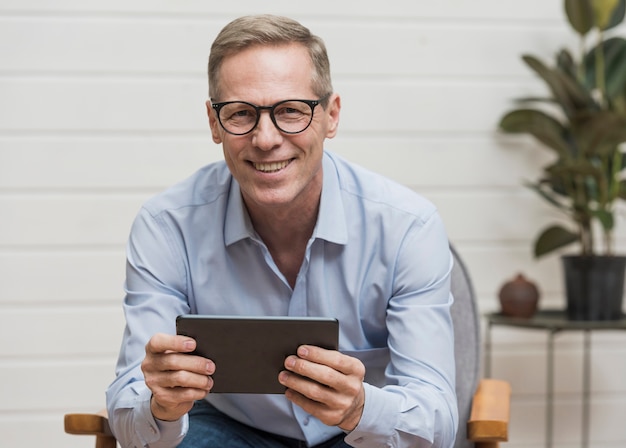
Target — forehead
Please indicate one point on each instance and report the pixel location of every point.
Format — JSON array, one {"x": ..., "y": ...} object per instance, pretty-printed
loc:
[{"x": 266, "y": 74}]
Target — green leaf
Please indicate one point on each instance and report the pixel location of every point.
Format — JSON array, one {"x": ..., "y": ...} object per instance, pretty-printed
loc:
[
  {"x": 580, "y": 15},
  {"x": 605, "y": 218},
  {"x": 540, "y": 125},
  {"x": 553, "y": 238},
  {"x": 622, "y": 189},
  {"x": 567, "y": 92},
  {"x": 599, "y": 133},
  {"x": 614, "y": 50},
  {"x": 608, "y": 13},
  {"x": 565, "y": 62},
  {"x": 547, "y": 195}
]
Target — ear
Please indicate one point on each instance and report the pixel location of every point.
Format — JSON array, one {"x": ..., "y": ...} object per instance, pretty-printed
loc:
[
  {"x": 216, "y": 129},
  {"x": 332, "y": 114}
]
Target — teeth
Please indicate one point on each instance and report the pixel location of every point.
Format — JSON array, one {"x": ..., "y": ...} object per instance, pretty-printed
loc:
[{"x": 271, "y": 167}]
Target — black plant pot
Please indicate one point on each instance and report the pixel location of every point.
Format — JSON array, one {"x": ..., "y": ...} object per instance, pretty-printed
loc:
[{"x": 594, "y": 286}]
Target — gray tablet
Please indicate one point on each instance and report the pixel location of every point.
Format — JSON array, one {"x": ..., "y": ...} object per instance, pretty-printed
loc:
[{"x": 249, "y": 352}]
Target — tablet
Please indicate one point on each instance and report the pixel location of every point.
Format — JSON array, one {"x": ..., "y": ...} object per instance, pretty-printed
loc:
[{"x": 249, "y": 352}]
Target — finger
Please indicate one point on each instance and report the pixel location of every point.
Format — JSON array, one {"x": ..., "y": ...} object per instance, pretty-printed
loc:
[
  {"x": 162, "y": 343},
  {"x": 333, "y": 359},
  {"x": 307, "y": 370},
  {"x": 180, "y": 379},
  {"x": 178, "y": 361},
  {"x": 329, "y": 407},
  {"x": 328, "y": 367},
  {"x": 306, "y": 387}
]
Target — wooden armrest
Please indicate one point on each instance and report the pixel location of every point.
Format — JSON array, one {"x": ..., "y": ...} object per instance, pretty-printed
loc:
[
  {"x": 91, "y": 424},
  {"x": 96, "y": 424},
  {"x": 489, "y": 419}
]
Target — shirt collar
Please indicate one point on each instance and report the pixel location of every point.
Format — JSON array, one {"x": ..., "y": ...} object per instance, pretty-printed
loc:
[{"x": 331, "y": 221}]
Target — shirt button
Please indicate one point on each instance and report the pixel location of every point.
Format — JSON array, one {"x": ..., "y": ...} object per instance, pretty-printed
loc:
[{"x": 306, "y": 421}]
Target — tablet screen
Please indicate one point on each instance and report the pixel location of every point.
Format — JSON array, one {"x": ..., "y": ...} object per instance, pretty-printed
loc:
[{"x": 249, "y": 352}]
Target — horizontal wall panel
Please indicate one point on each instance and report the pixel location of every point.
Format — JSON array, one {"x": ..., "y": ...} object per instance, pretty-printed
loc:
[
  {"x": 28, "y": 431},
  {"x": 106, "y": 45},
  {"x": 492, "y": 51},
  {"x": 479, "y": 215},
  {"x": 51, "y": 332},
  {"x": 166, "y": 105},
  {"x": 528, "y": 422},
  {"x": 51, "y": 386},
  {"x": 346, "y": 10},
  {"x": 60, "y": 220},
  {"x": 168, "y": 45},
  {"x": 157, "y": 161},
  {"x": 97, "y": 162},
  {"x": 46, "y": 278},
  {"x": 404, "y": 105},
  {"x": 98, "y": 104},
  {"x": 608, "y": 367}
]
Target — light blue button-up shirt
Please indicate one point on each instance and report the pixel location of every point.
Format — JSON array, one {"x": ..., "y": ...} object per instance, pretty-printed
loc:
[{"x": 378, "y": 261}]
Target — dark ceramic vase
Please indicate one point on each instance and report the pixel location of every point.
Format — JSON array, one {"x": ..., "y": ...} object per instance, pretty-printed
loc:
[{"x": 519, "y": 297}]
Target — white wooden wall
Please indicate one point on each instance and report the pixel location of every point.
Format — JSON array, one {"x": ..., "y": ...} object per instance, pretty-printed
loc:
[{"x": 102, "y": 105}]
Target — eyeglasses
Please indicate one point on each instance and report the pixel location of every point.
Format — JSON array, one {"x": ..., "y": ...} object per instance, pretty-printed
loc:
[{"x": 289, "y": 116}]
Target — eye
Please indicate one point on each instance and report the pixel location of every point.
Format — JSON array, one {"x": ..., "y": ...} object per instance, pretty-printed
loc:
[
  {"x": 292, "y": 110},
  {"x": 241, "y": 113},
  {"x": 238, "y": 112}
]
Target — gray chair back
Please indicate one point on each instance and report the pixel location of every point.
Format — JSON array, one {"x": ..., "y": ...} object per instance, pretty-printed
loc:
[{"x": 466, "y": 344}]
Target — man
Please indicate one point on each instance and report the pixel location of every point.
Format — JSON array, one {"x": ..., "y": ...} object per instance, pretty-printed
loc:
[{"x": 285, "y": 228}]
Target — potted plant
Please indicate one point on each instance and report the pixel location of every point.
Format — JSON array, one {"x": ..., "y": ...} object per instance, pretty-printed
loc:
[{"x": 583, "y": 122}]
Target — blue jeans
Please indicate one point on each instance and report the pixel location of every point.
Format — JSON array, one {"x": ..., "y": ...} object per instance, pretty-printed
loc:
[{"x": 209, "y": 428}]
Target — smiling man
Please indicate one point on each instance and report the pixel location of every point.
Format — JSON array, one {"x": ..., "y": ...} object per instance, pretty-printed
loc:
[{"x": 285, "y": 228}]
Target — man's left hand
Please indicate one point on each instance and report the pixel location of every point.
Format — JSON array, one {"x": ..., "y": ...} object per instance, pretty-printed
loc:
[{"x": 327, "y": 384}]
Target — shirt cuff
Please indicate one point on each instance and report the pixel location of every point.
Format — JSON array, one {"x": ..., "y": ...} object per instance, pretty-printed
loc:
[
  {"x": 377, "y": 424},
  {"x": 158, "y": 433}
]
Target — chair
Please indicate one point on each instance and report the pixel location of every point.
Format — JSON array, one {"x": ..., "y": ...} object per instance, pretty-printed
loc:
[{"x": 483, "y": 405}]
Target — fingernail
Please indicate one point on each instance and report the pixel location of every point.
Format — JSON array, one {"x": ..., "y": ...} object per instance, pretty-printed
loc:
[
  {"x": 290, "y": 362},
  {"x": 189, "y": 345},
  {"x": 303, "y": 352}
]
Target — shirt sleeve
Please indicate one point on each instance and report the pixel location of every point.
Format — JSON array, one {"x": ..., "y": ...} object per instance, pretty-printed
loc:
[
  {"x": 155, "y": 280},
  {"x": 417, "y": 407},
  {"x": 135, "y": 425}
]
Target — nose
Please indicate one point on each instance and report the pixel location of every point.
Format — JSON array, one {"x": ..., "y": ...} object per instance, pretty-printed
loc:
[{"x": 266, "y": 136}]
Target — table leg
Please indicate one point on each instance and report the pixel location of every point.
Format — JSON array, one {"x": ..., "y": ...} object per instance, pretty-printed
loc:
[
  {"x": 550, "y": 391},
  {"x": 488, "y": 351},
  {"x": 586, "y": 387}
]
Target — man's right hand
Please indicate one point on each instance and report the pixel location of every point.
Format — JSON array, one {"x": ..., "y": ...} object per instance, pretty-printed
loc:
[{"x": 175, "y": 378}]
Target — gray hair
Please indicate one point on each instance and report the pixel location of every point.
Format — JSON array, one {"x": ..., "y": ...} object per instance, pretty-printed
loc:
[{"x": 268, "y": 30}]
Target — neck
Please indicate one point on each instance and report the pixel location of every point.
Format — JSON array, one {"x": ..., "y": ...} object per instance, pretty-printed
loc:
[
  {"x": 285, "y": 228},
  {"x": 286, "y": 234}
]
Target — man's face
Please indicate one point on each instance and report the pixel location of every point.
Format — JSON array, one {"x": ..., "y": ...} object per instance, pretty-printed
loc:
[{"x": 274, "y": 169}]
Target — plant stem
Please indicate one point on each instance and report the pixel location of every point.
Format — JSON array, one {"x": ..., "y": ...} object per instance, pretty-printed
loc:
[{"x": 599, "y": 66}]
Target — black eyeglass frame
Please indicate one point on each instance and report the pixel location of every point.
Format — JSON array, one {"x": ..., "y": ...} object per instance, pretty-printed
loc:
[{"x": 311, "y": 103}]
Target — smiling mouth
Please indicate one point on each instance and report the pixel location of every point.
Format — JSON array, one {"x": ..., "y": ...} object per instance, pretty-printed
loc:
[{"x": 272, "y": 167}]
